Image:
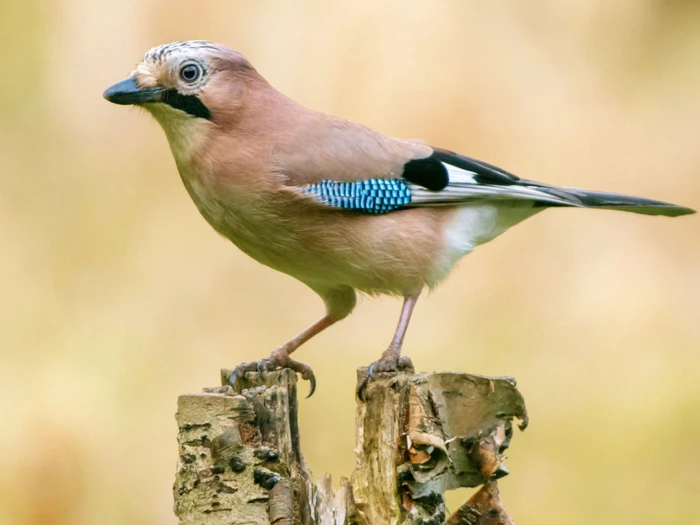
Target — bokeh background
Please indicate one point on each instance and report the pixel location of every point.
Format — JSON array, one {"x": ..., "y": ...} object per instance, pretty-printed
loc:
[{"x": 116, "y": 295}]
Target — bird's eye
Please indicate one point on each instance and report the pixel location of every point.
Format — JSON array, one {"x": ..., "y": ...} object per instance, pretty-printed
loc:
[{"x": 191, "y": 73}]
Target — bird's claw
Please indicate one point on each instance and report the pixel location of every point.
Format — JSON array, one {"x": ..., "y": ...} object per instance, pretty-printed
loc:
[
  {"x": 311, "y": 378},
  {"x": 401, "y": 364},
  {"x": 262, "y": 366},
  {"x": 274, "y": 363}
]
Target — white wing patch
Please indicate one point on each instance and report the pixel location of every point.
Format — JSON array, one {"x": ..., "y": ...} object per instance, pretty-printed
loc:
[{"x": 459, "y": 176}]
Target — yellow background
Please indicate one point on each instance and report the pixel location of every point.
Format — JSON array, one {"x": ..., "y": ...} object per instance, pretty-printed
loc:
[{"x": 116, "y": 295}]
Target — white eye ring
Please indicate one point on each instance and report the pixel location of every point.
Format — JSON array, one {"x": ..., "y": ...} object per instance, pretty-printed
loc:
[{"x": 191, "y": 73}]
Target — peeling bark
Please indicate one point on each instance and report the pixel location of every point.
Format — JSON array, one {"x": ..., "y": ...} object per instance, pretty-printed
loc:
[{"x": 417, "y": 436}]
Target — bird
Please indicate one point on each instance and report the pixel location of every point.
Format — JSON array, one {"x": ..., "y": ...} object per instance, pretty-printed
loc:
[{"x": 333, "y": 203}]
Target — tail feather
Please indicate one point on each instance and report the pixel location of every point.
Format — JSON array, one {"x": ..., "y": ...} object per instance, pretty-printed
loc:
[{"x": 616, "y": 201}]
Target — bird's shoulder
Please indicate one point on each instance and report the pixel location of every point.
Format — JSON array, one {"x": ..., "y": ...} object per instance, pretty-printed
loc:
[{"x": 322, "y": 147}]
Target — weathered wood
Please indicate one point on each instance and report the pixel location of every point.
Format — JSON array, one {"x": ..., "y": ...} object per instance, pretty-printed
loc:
[
  {"x": 483, "y": 508},
  {"x": 417, "y": 436}
]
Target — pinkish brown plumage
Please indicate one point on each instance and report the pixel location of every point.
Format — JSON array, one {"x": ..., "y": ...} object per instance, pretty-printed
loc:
[{"x": 332, "y": 203}]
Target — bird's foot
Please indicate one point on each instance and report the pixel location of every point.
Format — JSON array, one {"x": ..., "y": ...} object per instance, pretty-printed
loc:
[
  {"x": 390, "y": 362},
  {"x": 278, "y": 359}
]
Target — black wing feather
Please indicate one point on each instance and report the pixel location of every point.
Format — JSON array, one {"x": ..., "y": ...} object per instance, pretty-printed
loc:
[
  {"x": 432, "y": 174},
  {"x": 429, "y": 172},
  {"x": 485, "y": 173}
]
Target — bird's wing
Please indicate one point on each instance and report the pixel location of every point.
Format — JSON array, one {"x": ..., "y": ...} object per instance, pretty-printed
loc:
[
  {"x": 345, "y": 165},
  {"x": 322, "y": 147}
]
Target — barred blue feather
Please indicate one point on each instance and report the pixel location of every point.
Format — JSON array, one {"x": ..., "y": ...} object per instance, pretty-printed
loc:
[{"x": 370, "y": 196}]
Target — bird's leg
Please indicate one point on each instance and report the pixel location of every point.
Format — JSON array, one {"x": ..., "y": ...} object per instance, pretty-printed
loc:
[
  {"x": 391, "y": 359},
  {"x": 279, "y": 358}
]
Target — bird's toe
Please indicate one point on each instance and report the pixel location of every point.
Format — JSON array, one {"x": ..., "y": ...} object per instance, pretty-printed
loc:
[
  {"x": 384, "y": 365},
  {"x": 305, "y": 372},
  {"x": 268, "y": 364},
  {"x": 238, "y": 372},
  {"x": 405, "y": 364}
]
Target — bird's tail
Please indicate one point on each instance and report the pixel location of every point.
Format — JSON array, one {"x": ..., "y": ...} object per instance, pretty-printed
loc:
[{"x": 616, "y": 201}]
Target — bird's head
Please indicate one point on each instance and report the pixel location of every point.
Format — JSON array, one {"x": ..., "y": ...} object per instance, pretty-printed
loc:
[{"x": 186, "y": 82}]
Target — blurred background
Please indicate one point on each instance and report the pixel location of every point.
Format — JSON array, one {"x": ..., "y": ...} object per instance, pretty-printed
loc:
[{"x": 117, "y": 296}]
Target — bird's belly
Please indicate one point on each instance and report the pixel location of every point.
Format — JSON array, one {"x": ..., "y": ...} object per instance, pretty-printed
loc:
[
  {"x": 476, "y": 223},
  {"x": 387, "y": 254}
]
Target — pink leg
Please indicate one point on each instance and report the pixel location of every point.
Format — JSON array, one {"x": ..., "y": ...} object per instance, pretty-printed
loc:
[
  {"x": 394, "y": 351},
  {"x": 391, "y": 359},
  {"x": 287, "y": 348}
]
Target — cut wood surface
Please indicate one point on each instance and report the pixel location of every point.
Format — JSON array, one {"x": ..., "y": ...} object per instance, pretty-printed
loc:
[{"x": 417, "y": 436}]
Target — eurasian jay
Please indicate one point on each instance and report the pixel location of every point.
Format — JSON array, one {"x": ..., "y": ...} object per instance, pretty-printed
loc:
[{"x": 338, "y": 206}]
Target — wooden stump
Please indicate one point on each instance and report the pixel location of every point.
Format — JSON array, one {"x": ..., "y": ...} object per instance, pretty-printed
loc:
[{"x": 417, "y": 436}]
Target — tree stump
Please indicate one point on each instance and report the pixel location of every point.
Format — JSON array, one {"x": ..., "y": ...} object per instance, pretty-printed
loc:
[{"x": 417, "y": 436}]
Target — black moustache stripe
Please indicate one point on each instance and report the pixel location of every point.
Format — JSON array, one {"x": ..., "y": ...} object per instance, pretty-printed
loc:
[{"x": 188, "y": 103}]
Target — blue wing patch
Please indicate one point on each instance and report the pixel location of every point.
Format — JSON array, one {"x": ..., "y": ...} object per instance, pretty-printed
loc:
[{"x": 370, "y": 196}]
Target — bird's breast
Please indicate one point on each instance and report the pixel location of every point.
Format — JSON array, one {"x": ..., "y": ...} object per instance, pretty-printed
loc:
[{"x": 203, "y": 192}]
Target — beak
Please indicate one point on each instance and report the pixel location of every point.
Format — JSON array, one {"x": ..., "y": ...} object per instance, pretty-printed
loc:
[{"x": 127, "y": 92}]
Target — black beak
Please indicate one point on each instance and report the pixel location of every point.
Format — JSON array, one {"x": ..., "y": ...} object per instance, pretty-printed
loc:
[{"x": 127, "y": 92}]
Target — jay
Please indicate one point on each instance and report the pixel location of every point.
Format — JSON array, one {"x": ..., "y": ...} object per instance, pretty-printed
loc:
[{"x": 337, "y": 205}]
